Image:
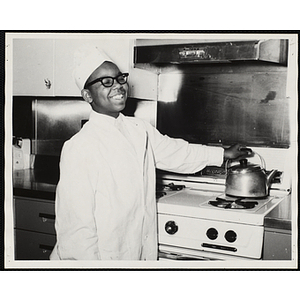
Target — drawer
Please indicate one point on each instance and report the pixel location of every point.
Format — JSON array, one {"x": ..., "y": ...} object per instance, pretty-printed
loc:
[
  {"x": 34, "y": 215},
  {"x": 33, "y": 245}
]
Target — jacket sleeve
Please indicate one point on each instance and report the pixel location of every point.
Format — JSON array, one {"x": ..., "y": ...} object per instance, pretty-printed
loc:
[
  {"x": 177, "y": 155},
  {"x": 75, "y": 205}
]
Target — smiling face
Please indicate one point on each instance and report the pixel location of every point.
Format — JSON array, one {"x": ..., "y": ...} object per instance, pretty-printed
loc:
[{"x": 106, "y": 100}]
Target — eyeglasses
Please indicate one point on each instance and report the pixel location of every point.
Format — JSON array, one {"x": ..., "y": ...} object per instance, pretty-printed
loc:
[{"x": 109, "y": 81}]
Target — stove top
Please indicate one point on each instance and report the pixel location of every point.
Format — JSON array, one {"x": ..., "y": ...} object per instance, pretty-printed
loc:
[
  {"x": 213, "y": 205},
  {"x": 232, "y": 203}
]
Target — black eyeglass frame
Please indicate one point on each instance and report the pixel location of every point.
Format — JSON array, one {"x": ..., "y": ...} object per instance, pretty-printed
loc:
[{"x": 123, "y": 75}]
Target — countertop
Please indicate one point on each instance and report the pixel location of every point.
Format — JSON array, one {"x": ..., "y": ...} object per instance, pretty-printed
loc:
[
  {"x": 34, "y": 184},
  {"x": 29, "y": 183}
]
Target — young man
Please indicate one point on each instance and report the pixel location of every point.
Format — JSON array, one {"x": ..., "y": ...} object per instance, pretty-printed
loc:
[{"x": 105, "y": 200}]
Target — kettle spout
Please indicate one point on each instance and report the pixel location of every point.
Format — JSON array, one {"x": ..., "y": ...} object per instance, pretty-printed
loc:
[{"x": 270, "y": 177}]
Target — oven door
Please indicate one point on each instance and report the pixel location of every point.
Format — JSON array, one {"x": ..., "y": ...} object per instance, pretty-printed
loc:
[
  {"x": 178, "y": 256},
  {"x": 167, "y": 252}
]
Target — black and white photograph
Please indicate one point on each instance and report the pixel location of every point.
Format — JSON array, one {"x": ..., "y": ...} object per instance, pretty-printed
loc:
[{"x": 151, "y": 151}]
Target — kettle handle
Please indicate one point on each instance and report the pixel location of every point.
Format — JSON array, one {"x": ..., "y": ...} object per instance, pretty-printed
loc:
[{"x": 262, "y": 161}]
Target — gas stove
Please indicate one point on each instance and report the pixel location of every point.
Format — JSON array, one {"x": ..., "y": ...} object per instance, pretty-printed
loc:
[{"x": 211, "y": 224}]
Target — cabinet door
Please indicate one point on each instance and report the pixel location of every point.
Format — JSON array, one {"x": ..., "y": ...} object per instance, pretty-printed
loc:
[
  {"x": 33, "y": 67},
  {"x": 52, "y": 60},
  {"x": 64, "y": 66},
  {"x": 277, "y": 245},
  {"x": 117, "y": 49},
  {"x": 33, "y": 245}
]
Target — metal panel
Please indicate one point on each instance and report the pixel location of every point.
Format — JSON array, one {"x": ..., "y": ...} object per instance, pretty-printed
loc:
[
  {"x": 55, "y": 122},
  {"x": 195, "y": 103},
  {"x": 274, "y": 51}
]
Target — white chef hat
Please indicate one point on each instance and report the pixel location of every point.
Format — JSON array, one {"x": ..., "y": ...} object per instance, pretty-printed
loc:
[{"x": 86, "y": 60}]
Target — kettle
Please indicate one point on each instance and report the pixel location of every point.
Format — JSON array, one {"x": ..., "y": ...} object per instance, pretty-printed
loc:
[{"x": 248, "y": 180}]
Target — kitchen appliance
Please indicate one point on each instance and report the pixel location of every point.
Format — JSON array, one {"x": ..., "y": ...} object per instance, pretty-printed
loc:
[
  {"x": 271, "y": 50},
  {"x": 212, "y": 225},
  {"x": 248, "y": 180},
  {"x": 198, "y": 221},
  {"x": 21, "y": 153}
]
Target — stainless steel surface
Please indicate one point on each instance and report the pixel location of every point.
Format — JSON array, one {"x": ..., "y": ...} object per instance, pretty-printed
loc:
[
  {"x": 55, "y": 121},
  {"x": 248, "y": 180},
  {"x": 194, "y": 104},
  {"x": 274, "y": 50}
]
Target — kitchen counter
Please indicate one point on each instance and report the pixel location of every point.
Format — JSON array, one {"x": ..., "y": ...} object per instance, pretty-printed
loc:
[
  {"x": 34, "y": 184},
  {"x": 39, "y": 182},
  {"x": 27, "y": 183}
]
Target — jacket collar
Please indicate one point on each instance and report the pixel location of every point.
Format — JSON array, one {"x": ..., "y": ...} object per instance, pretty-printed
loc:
[{"x": 102, "y": 119}]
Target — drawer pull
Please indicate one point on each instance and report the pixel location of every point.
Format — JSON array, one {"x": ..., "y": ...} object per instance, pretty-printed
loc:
[
  {"x": 45, "y": 217},
  {"x": 46, "y": 248}
]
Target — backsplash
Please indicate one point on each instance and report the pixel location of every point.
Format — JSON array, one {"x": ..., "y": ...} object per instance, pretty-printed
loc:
[{"x": 221, "y": 104}]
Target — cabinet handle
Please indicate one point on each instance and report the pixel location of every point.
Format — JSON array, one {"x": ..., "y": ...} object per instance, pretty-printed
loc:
[
  {"x": 46, "y": 248},
  {"x": 45, "y": 217},
  {"x": 47, "y": 83}
]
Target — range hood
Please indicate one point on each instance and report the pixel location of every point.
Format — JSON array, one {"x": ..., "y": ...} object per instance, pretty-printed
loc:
[{"x": 271, "y": 50}]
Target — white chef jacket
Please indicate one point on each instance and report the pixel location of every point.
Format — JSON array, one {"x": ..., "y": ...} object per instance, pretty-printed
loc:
[{"x": 105, "y": 198}]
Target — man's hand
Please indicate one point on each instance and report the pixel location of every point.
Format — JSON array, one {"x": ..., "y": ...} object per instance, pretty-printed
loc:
[{"x": 237, "y": 152}]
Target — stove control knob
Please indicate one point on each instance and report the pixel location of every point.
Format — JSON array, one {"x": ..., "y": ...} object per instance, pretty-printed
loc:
[
  {"x": 230, "y": 236},
  {"x": 212, "y": 233},
  {"x": 171, "y": 227}
]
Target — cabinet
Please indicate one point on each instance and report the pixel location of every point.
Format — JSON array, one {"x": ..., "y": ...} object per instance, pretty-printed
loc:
[
  {"x": 277, "y": 244},
  {"x": 44, "y": 67},
  {"x": 32, "y": 65},
  {"x": 34, "y": 228}
]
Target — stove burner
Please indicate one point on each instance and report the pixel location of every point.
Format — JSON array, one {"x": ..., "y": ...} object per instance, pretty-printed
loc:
[
  {"x": 160, "y": 194},
  {"x": 233, "y": 204},
  {"x": 161, "y": 189},
  {"x": 174, "y": 187}
]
